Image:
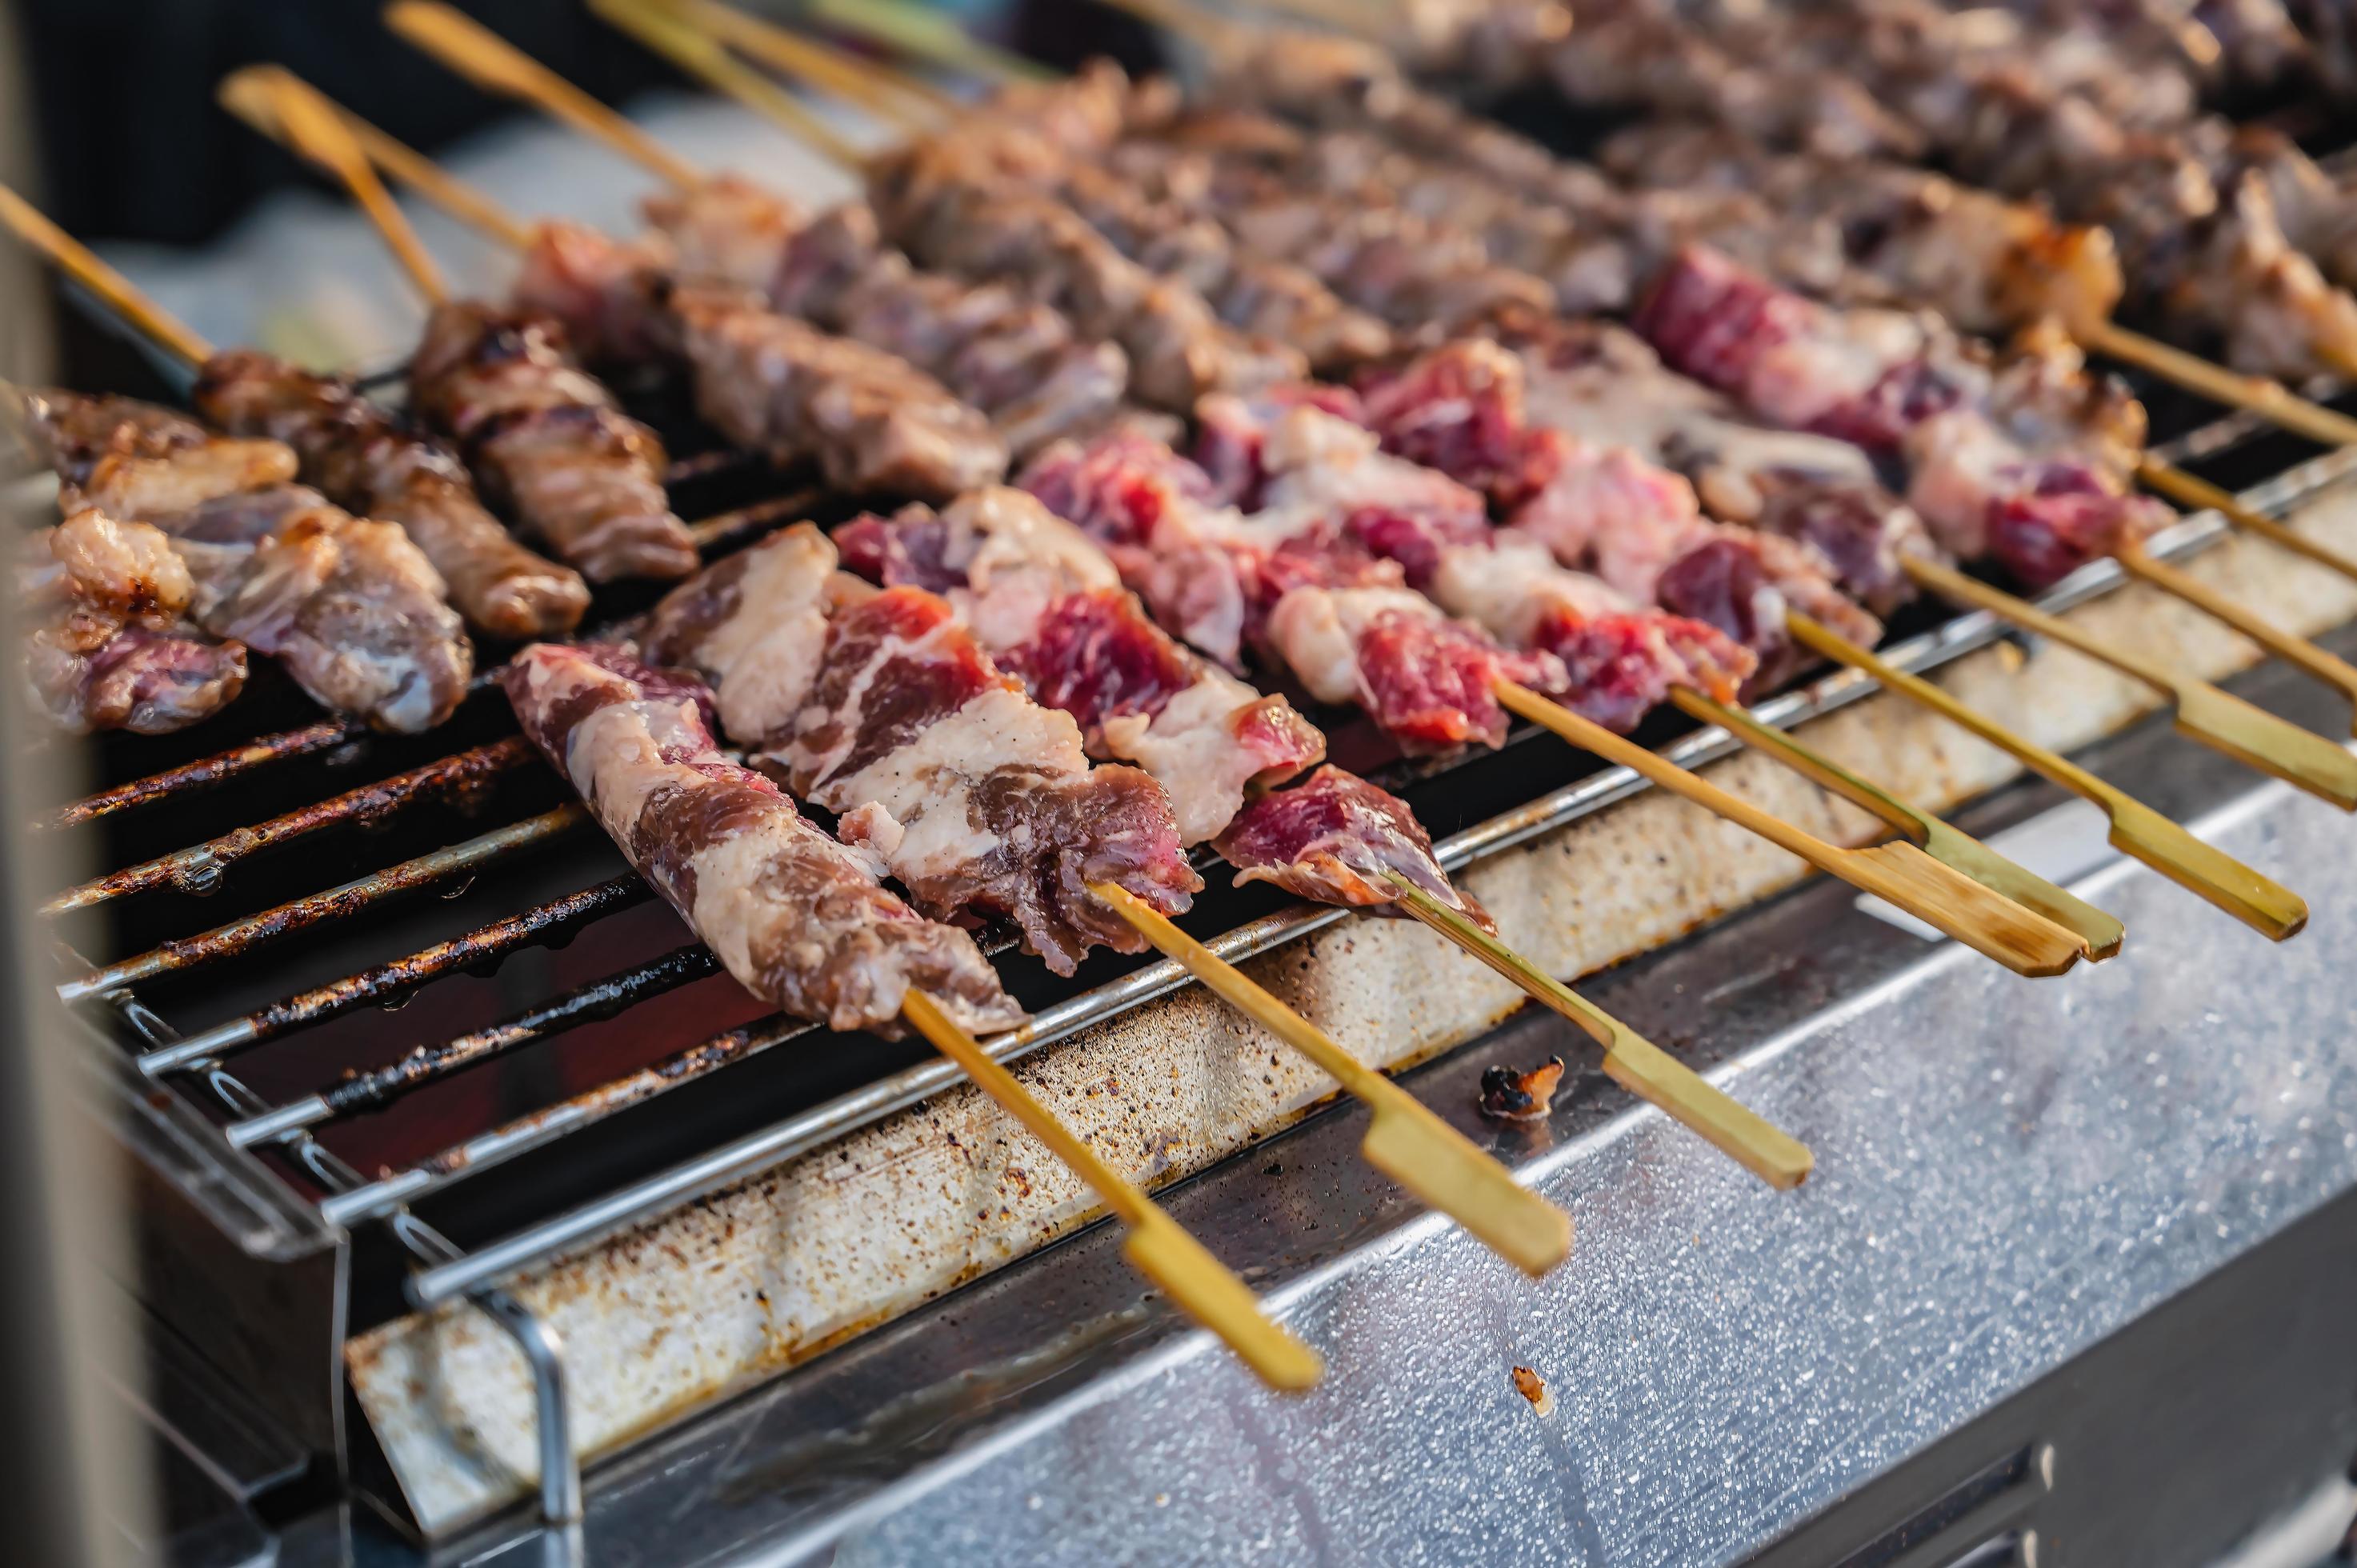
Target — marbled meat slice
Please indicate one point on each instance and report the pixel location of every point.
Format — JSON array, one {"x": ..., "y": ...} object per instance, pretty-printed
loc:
[
  {"x": 883, "y": 707},
  {"x": 800, "y": 920},
  {"x": 1332, "y": 838}
]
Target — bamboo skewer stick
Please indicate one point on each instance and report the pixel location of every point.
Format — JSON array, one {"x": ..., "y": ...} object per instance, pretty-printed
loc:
[
  {"x": 2297, "y": 651},
  {"x": 1480, "y": 1197},
  {"x": 897, "y": 99},
  {"x": 2200, "y": 495},
  {"x": 2136, "y": 828},
  {"x": 119, "y": 295},
  {"x": 2249, "y": 734},
  {"x": 488, "y": 60},
  {"x": 2099, "y": 934},
  {"x": 1631, "y": 1060},
  {"x": 698, "y": 53},
  {"x": 2021, "y": 940},
  {"x": 1404, "y": 1140},
  {"x": 1901, "y": 873},
  {"x": 1159, "y": 1247},
  {"x": 311, "y": 126},
  {"x": 928, "y": 35},
  {"x": 248, "y": 94}
]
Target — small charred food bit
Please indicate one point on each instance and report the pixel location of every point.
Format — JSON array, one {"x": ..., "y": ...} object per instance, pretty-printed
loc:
[
  {"x": 1533, "y": 1387},
  {"x": 1512, "y": 1096}
]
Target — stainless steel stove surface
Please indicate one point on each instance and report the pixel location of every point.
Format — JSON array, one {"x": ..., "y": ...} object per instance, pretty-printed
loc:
[{"x": 2074, "y": 1282}]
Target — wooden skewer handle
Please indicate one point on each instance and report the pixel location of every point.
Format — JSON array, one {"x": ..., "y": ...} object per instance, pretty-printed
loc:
[
  {"x": 901, "y": 100},
  {"x": 2136, "y": 828},
  {"x": 1631, "y": 1060},
  {"x": 2271, "y": 400},
  {"x": 930, "y": 35},
  {"x": 1203, "y": 1287},
  {"x": 2199, "y": 494},
  {"x": 491, "y": 61},
  {"x": 667, "y": 32},
  {"x": 1405, "y": 1139},
  {"x": 300, "y": 119},
  {"x": 2297, "y": 651},
  {"x": 119, "y": 293},
  {"x": 2216, "y": 718},
  {"x": 2100, "y": 934}
]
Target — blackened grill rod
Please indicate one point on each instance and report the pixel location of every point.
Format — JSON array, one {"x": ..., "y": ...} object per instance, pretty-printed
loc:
[
  {"x": 243, "y": 936},
  {"x": 380, "y": 1087},
  {"x": 395, "y": 976},
  {"x": 202, "y": 774},
  {"x": 199, "y": 866}
]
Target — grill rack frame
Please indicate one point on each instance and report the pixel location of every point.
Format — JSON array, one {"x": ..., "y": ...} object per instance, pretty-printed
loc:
[{"x": 447, "y": 1271}]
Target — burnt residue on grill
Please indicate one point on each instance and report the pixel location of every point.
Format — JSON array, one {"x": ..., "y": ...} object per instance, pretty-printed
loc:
[
  {"x": 481, "y": 947},
  {"x": 204, "y": 773},
  {"x": 359, "y": 1091},
  {"x": 462, "y": 778}
]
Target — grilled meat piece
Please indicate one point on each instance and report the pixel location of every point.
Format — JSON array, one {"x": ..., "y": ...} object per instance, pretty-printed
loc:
[
  {"x": 881, "y": 706},
  {"x": 548, "y": 441},
  {"x": 800, "y": 921},
  {"x": 109, "y": 646},
  {"x": 352, "y": 608},
  {"x": 1047, "y": 604},
  {"x": 363, "y": 459},
  {"x": 1331, "y": 839}
]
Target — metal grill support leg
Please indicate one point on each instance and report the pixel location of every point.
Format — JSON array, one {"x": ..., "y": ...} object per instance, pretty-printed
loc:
[{"x": 543, "y": 1352}]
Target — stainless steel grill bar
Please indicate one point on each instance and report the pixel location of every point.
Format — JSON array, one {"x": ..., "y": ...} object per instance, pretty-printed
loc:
[
  {"x": 199, "y": 867},
  {"x": 202, "y": 774},
  {"x": 758, "y": 1151},
  {"x": 241, "y": 937},
  {"x": 430, "y": 1064},
  {"x": 339, "y": 996}
]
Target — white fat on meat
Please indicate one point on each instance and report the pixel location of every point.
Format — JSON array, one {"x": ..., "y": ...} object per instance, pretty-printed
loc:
[
  {"x": 1018, "y": 559},
  {"x": 764, "y": 656},
  {"x": 1317, "y": 630},
  {"x": 1507, "y": 588},
  {"x": 1190, "y": 748},
  {"x": 1801, "y": 379},
  {"x": 1955, "y": 461},
  {"x": 913, "y": 805}
]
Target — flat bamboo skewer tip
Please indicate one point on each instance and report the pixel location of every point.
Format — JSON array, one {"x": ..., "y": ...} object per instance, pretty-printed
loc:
[
  {"x": 121, "y": 295},
  {"x": 2218, "y": 719},
  {"x": 2136, "y": 828},
  {"x": 2099, "y": 934},
  {"x": 312, "y": 127},
  {"x": 2297, "y": 651},
  {"x": 491, "y": 63},
  {"x": 1158, "y": 1246},
  {"x": 1404, "y": 1140},
  {"x": 1995, "y": 926},
  {"x": 1631, "y": 1060}
]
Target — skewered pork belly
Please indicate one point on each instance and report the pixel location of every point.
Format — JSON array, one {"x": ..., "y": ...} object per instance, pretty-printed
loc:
[
  {"x": 800, "y": 920},
  {"x": 874, "y": 423},
  {"x": 549, "y": 441},
  {"x": 109, "y": 646},
  {"x": 365, "y": 461},
  {"x": 953, "y": 213},
  {"x": 1047, "y": 602},
  {"x": 882, "y": 706},
  {"x": 1049, "y": 605},
  {"x": 2028, "y": 460},
  {"x": 352, "y": 608},
  {"x": 1017, "y": 360}
]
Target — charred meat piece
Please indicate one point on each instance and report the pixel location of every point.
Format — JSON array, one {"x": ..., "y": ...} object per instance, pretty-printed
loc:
[
  {"x": 548, "y": 441},
  {"x": 800, "y": 921},
  {"x": 881, "y": 706},
  {"x": 363, "y": 459},
  {"x": 109, "y": 644}
]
